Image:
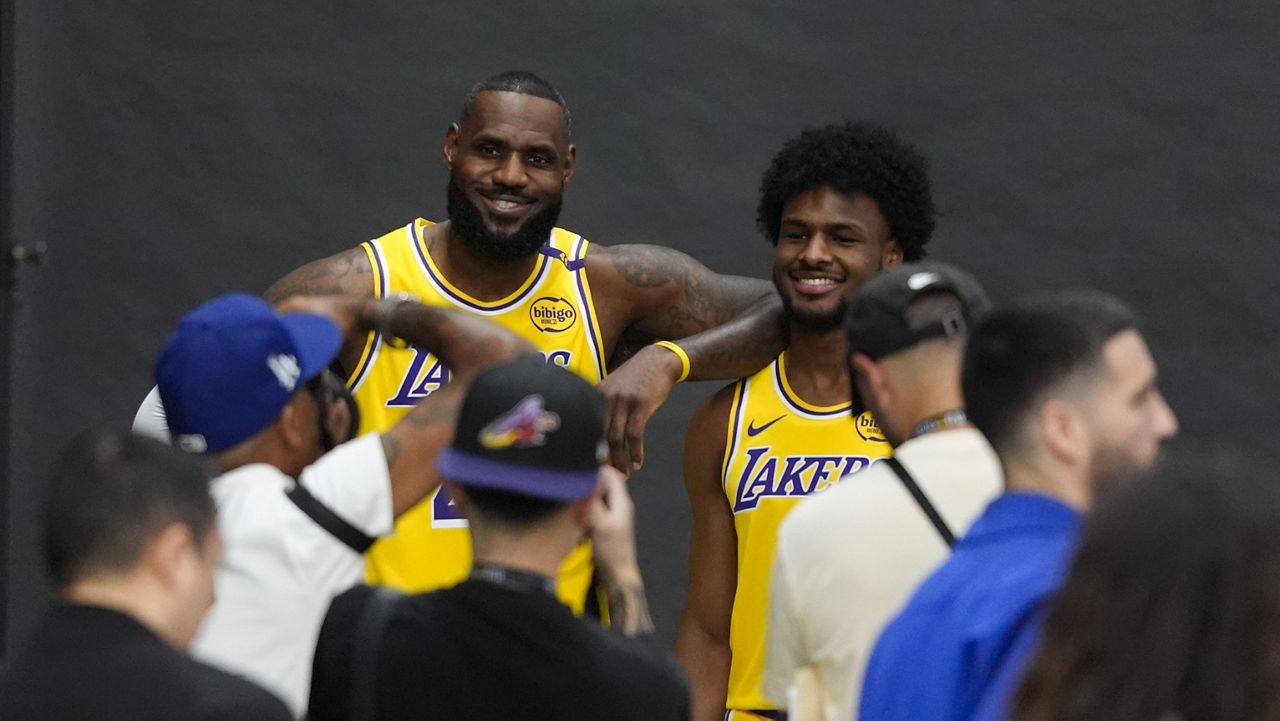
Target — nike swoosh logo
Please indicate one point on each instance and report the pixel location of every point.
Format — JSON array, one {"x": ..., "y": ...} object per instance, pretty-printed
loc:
[{"x": 753, "y": 431}]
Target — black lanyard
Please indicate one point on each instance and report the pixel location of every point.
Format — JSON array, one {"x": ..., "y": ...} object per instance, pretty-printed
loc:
[
  {"x": 513, "y": 579},
  {"x": 950, "y": 419}
]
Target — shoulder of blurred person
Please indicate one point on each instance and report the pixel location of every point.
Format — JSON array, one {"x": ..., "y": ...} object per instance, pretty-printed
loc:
[{"x": 131, "y": 545}]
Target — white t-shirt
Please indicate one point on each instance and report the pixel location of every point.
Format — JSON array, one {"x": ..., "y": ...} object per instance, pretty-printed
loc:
[
  {"x": 848, "y": 558},
  {"x": 279, "y": 569}
]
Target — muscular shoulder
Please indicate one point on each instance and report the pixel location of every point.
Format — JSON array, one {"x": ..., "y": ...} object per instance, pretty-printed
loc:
[
  {"x": 638, "y": 265},
  {"x": 345, "y": 273}
]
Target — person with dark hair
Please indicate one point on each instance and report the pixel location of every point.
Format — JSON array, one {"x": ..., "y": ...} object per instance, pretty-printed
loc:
[
  {"x": 1171, "y": 609},
  {"x": 130, "y": 542},
  {"x": 240, "y": 384},
  {"x": 833, "y": 203},
  {"x": 527, "y": 467},
  {"x": 584, "y": 306},
  {"x": 848, "y": 558},
  {"x": 1064, "y": 388}
]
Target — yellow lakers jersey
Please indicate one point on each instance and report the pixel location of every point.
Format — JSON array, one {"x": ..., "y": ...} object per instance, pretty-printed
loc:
[
  {"x": 778, "y": 450},
  {"x": 552, "y": 309}
]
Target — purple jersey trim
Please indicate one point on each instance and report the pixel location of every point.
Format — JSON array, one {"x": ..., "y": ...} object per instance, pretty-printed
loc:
[
  {"x": 795, "y": 403},
  {"x": 443, "y": 287}
]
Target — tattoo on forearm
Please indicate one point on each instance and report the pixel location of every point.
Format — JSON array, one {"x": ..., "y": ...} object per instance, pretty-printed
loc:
[
  {"x": 338, "y": 275},
  {"x": 629, "y": 610},
  {"x": 702, "y": 303},
  {"x": 390, "y": 448}
]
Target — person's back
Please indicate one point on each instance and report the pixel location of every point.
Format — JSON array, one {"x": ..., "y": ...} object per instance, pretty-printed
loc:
[
  {"x": 481, "y": 650},
  {"x": 92, "y": 662},
  {"x": 130, "y": 545},
  {"x": 525, "y": 467}
]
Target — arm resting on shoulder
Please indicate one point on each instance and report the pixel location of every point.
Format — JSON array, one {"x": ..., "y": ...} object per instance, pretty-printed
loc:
[{"x": 729, "y": 326}]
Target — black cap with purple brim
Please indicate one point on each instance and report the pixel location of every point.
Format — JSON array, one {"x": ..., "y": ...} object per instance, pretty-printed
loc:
[{"x": 531, "y": 428}]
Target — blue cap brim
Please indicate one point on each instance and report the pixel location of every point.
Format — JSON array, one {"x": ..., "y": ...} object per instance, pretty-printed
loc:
[
  {"x": 553, "y": 484},
  {"x": 318, "y": 340}
]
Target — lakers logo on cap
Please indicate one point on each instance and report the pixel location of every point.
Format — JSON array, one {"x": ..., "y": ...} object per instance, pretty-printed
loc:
[
  {"x": 868, "y": 429},
  {"x": 524, "y": 426},
  {"x": 552, "y": 315}
]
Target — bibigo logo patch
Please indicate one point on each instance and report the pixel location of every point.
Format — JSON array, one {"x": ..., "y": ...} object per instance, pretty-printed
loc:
[
  {"x": 868, "y": 429},
  {"x": 552, "y": 315}
]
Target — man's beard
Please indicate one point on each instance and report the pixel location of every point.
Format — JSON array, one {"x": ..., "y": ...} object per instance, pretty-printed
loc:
[
  {"x": 814, "y": 320},
  {"x": 467, "y": 223}
]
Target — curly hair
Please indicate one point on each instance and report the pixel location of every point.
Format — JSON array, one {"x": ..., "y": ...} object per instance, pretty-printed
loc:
[{"x": 854, "y": 158}]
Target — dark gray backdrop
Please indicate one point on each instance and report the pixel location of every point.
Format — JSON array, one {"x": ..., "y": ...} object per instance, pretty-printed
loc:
[{"x": 167, "y": 152}]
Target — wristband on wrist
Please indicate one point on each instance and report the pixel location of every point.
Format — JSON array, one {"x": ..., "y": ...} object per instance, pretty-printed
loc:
[
  {"x": 684, "y": 357},
  {"x": 382, "y": 318}
]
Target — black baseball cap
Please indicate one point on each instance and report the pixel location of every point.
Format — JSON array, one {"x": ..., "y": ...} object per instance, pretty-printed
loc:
[
  {"x": 876, "y": 322},
  {"x": 528, "y": 427}
]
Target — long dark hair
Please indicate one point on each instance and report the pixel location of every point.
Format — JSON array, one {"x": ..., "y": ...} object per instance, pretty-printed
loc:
[{"x": 1172, "y": 606}]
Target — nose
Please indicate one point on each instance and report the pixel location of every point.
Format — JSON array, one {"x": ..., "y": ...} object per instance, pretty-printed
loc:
[
  {"x": 1166, "y": 422},
  {"x": 817, "y": 251},
  {"x": 511, "y": 172}
]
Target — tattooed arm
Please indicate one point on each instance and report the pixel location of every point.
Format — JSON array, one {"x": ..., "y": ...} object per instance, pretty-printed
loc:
[
  {"x": 463, "y": 342},
  {"x": 614, "y": 549},
  {"x": 729, "y": 326},
  {"x": 347, "y": 273}
]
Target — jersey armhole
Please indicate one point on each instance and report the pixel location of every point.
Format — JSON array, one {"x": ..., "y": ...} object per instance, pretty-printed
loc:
[{"x": 369, "y": 354}]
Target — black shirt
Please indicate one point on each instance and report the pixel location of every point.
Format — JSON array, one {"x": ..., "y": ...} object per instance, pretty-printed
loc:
[
  {"x": 484, "y": 651},
  {"x": 87, "y": 662}
]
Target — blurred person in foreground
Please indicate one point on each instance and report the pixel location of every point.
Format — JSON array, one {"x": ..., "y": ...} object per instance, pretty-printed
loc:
[
  {"x": 527, "y": 466},
  {"x": 849, "y": 557},
  {"x": 1171, "y": 610},
  {"x": 131, "y": 543},
  {"x": 249, "y": 387},
  {"x": 1064, "y": 388}
]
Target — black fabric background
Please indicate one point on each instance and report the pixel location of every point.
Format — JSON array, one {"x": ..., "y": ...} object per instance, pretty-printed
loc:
[{"x": 168, "y": 152}]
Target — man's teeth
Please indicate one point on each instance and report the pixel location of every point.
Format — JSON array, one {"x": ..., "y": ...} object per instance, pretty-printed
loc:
[
  {"x": 816, "y": 282},
  {"x": 506, "y": 204}
]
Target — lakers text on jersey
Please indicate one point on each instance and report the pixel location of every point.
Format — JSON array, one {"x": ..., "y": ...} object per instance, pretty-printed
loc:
[{"x": 778, "y": 450}]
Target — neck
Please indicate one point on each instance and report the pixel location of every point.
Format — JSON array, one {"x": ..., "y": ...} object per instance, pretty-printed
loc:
[
  {"x": 816, "y": 366},
  {"x": 478, "y": 277},
  {"x": 931, "y": 404},
  {"x": 540, "y": 550},
  {"x": 1039, "y": 476},
  {"x": 131, "y": 596}
]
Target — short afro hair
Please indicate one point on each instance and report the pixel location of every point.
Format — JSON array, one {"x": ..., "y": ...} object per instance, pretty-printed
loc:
[{"x": 854, "y": 158}]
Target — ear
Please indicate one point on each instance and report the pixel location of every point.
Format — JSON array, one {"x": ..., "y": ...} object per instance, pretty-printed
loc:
[
  {"x": 167, "y": 553},
  {"x": 570, "y": 163},
  {"x": 293, "y": 423},
  {"x": 874, "y": 379},
  {"x": 891, "y": 255},
  {"x": 1062, "y": 432},
  {"x": 450, "y": 150}
]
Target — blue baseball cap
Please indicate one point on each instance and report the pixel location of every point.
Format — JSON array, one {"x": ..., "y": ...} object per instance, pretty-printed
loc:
[{"x": 232, "y": 366}]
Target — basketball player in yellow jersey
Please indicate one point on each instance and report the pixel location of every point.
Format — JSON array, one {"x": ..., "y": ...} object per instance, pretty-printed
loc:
[
  {"x": 551, "y": 309},
  {"x": 500, "y": 255},
  {"x": 839, "y": 203}
]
